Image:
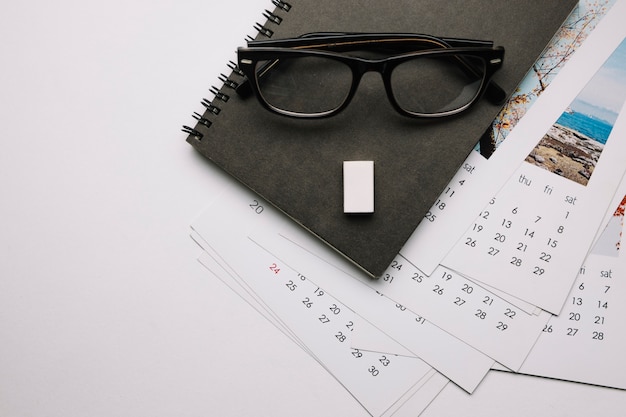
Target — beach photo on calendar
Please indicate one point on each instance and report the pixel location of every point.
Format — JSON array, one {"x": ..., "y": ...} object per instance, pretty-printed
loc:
[{"x": 573, "y": 145}]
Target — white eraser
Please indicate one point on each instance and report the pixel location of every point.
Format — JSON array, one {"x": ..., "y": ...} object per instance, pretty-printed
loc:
[{"x": 358, "y": 187}]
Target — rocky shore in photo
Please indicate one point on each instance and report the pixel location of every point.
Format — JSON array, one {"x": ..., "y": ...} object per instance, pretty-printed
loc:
[{"x": 567, "y": 153}]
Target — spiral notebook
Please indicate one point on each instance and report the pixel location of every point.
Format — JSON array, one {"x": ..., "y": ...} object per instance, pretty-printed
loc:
[{"x": 296, "y": 165}]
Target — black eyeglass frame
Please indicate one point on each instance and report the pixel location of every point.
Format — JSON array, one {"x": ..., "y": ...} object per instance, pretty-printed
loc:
[{"x": 327, "y": 44}]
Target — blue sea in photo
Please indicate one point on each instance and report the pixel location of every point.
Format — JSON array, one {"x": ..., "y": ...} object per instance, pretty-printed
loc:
[{"x": 590, "y": 126}]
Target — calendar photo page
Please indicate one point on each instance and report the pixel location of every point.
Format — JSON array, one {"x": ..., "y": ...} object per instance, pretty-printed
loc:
[
  {"x": 531, "y": 238},
  {"x": 479, "y": 175}
]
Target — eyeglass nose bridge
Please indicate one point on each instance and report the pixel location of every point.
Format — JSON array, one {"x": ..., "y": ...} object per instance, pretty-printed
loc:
[
  {"x": 381, "y": 67},
  {"x": 364, "y": 66}
]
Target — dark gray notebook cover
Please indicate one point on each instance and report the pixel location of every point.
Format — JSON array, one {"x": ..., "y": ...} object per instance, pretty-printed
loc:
[{"x": 297, "y": 164}]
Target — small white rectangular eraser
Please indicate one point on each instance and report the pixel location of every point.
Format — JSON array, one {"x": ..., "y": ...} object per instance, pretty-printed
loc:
[{"x": 358, "y": 187}]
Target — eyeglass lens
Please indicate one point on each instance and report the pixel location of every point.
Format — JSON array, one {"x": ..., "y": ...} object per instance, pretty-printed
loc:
[
  {"x": 306, "y": 85},
  {"x": 437, "y": 84}
]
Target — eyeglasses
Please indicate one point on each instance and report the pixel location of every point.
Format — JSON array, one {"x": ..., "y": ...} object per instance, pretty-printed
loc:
[{"x": 317, "y": 74}]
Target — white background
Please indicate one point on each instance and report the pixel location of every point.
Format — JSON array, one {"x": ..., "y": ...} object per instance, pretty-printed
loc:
[{"x": 103, "y": 309}]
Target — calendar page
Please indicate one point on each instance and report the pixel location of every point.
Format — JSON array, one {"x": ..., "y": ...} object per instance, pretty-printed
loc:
[
  {"x": 381, "y": 383},
  {"x": 530, "y": 240},
  {"x": 457, "y": 205},
  {"x": 590, "y": 325},
  {"x": 240, "y": 215},
  {"x": 213, "y": 263},
  {"x": 411, "y": 404}
]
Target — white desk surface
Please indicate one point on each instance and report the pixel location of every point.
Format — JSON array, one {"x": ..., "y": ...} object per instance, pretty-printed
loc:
[{"x": 103, "y": 309}]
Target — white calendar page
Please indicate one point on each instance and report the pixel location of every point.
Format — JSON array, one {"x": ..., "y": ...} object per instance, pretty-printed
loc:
[
  {"x": 213, "y": 263},
  {"x": 379, "y": 382},
  {"x": 528, "y": 244},
  {"x": 458, "y": 203},
  {"x": 533, "y": 235},
  {"x": 472, "y": 312},
  {"x": 411, "y": 404},
  {"x": 239, "y": 214},
  {"x": 586, "y": 343}
]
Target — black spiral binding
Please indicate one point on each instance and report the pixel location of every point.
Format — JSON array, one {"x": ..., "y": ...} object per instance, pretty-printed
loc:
[{"x": 212, "y": 107}]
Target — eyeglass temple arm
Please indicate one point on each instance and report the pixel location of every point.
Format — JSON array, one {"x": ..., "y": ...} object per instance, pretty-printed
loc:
[
  {"x": 333, "y": 38},
  {"x": 495, "y": 94}
]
